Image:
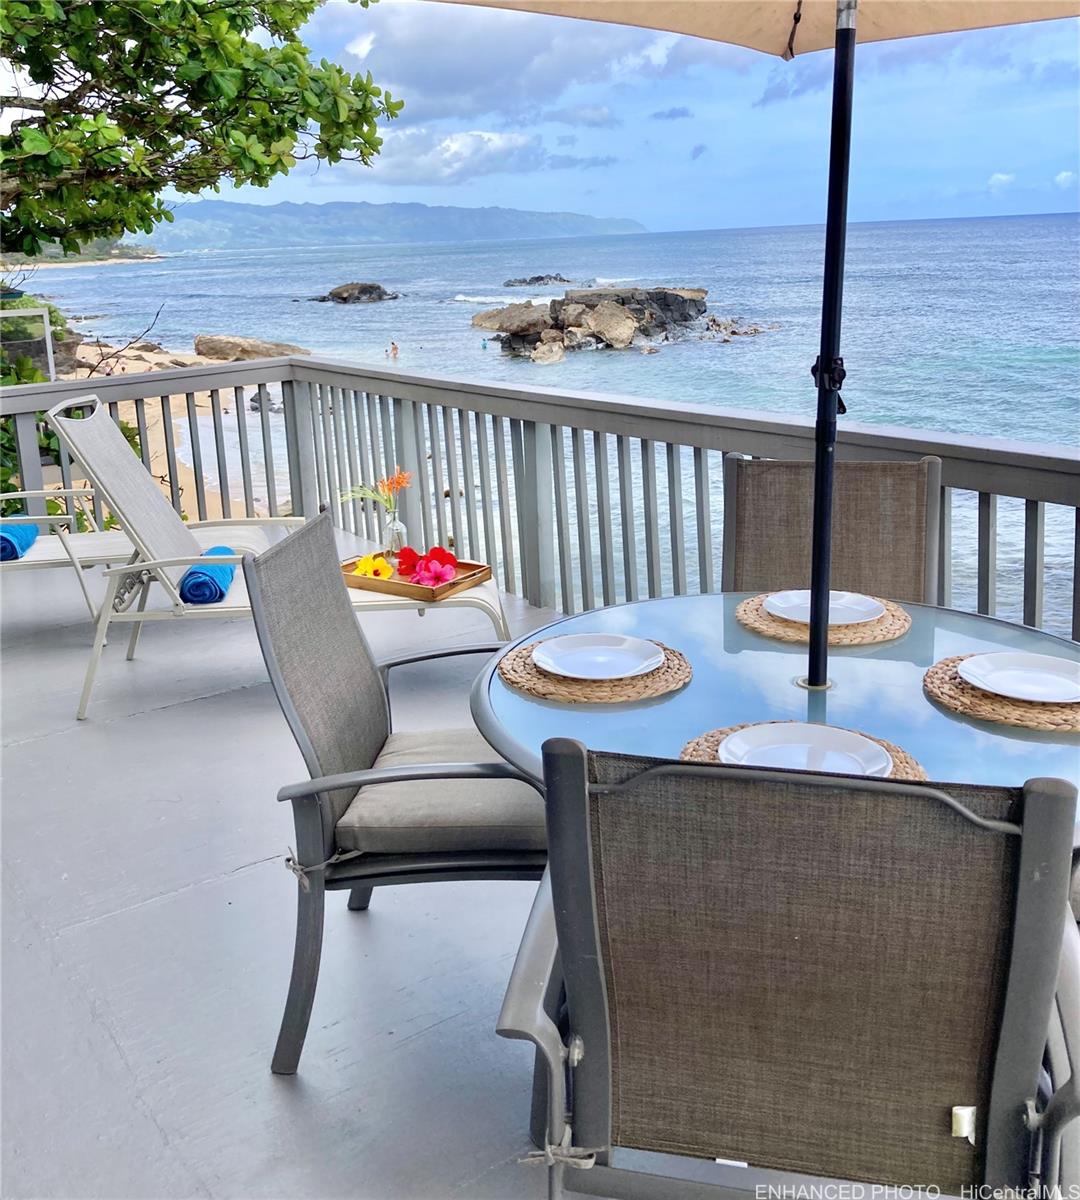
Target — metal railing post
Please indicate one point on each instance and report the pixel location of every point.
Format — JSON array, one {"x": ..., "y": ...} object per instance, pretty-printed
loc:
[
  {"x": 407, "y": 457},
  {"x": 30, "y": 477},
  {"x": 299, "y": 431},
  {"x": 538, "y": 527}
]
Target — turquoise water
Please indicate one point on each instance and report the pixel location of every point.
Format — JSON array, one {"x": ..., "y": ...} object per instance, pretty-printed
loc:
[
  {"x": 969, "y": 326},
  {"x": 962, "y": 325}
]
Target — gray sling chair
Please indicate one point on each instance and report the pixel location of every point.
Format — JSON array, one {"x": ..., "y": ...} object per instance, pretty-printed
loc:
[
  {"x": 885, "y": 526},
  {"x": 834, "y": 977},
  {"x": 380, "y": 807}
]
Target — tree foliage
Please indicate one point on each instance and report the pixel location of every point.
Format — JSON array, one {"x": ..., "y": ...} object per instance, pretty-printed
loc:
[{"x": 128, "y": 98}]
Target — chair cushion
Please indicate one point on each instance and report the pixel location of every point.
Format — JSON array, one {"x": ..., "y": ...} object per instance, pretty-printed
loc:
[{"x": 442, "y": 815}]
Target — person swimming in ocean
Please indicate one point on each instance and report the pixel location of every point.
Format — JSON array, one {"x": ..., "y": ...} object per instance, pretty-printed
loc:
[
  {"x": 483, "y": 343},
  {"x": 393, "y": 349}
]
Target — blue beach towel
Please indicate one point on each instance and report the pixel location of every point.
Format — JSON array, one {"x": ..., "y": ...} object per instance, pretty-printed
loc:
[
  {"x": 15, "y": 540},
  {"x": 208, "y": 584}
]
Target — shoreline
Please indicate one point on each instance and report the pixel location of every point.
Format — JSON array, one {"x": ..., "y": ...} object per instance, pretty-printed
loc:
[{"x": 88, "y": 262}]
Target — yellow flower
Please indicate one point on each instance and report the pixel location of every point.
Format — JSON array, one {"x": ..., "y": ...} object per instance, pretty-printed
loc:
[{"x": 373, "y": 566}]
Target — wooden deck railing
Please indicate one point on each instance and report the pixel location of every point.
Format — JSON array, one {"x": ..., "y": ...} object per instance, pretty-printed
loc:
[{"x": 576, "y": 499}]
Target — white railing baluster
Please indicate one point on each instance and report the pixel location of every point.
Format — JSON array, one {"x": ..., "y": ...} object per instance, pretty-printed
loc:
[
  {"x": 584, "y": 521},
  {"x": 603, "y": 516},
  {"x": 703, "y": 514},
  {"x": 170, "y": 452},
  {"x": 453, "y": 481},
  {"x": 627, "y": 518},
  {"x": 502, "y": 484},
  {"x": 468, "y": 483},
  {"x": 987, "y": 561},
  {"x": 245, "y": 450},
  {"x": 196, "y": 454},
  {"x": 562, "y": 519},
  {"x": 487, "y": 512},
  {"x": 1034, "y": 549},
  {"x": 219, "y": 449},
  {"x": 651, "y": 509}
]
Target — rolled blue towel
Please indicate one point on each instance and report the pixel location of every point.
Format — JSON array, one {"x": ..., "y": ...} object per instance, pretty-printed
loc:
[
  {"x": 208, "y": 584},
  {"x": 15, "y": 540}
]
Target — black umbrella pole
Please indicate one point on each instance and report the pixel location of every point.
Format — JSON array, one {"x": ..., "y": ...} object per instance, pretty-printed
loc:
[{"x": 829, "y": 369}]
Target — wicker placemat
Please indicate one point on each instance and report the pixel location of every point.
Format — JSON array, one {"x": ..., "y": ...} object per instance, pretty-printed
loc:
[
  {"x": 943, "y": 684},
  {"x": 519, "y": 671},
  {"x": 705, "y": 748},
  {"x": 893, "y": 623}
]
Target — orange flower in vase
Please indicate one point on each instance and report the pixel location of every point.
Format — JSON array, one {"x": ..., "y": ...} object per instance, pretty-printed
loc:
[{"x": 385, "y": 493}]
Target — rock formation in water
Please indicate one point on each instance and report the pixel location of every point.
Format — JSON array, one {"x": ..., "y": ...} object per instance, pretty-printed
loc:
[
  {"x": 228, "y": 348},
  {"x": 593, "y": 318},
  {"x": 536, "y": 281},
  {"x": 357, "y": 293}
]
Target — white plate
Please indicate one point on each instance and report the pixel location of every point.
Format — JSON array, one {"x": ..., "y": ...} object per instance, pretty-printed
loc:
[
  {"x": 597, "y": 656},
  {"x": 798, "y": 746},
  {"x": 1024, "y": 676},
  {"x": 845, "y": 608}
]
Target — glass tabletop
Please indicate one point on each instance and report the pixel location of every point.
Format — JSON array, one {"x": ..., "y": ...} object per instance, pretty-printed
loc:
[{"x": 741, "y": 677}]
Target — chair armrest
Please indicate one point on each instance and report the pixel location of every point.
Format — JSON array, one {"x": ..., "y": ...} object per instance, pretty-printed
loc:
[
  {"x": 401, "y": 660},
  {"x": 157, "y": 564},
  {"x": 358, "y": 779},
  {"x": 523, "y": 1016},
  {"x": 44, "y": 518},
  {"x": 286, "y": 521},
  {"x": 47, "y": 493}
]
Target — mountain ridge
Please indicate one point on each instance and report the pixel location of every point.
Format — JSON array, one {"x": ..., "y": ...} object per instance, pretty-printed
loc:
[{"x": 227, "y": 224}]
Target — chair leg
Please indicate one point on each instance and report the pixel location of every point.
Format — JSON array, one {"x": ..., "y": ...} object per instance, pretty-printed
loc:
[
  {"x": 104, "y": 617},
  {"x": 310, "y": 906},
  {"x": 359, "y": 899},
  {"x": 136, "y": 628}
]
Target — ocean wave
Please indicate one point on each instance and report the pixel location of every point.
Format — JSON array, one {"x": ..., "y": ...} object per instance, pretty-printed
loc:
[
  {"x": 600, "y": 281},
  {"x": 500, "y": 300}
]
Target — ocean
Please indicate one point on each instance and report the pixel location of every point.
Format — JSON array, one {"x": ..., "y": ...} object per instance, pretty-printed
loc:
[{"x": 968, "y": 326}]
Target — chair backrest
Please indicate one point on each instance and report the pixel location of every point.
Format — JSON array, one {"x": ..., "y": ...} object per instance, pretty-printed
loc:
[
  {"x": 885, "y": 526},
  {"x": 806, "y": 972},
  {"x": 151, "y": 522},
  {"x": 320, "y": 664}
]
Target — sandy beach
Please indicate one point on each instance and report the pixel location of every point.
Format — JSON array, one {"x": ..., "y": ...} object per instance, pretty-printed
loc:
[
  {"x": 85, "y": 262},
  {"x": 147, "y": 356}
]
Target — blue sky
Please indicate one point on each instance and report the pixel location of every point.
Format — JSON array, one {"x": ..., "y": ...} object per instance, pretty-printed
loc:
[{"x": 547, "y": 113}]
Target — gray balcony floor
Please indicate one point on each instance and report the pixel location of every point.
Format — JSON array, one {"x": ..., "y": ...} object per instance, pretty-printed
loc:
[{"x": 148, "y": 924}]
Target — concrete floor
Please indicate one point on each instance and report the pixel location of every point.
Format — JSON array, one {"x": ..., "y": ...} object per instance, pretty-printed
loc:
[{"x": 147, "y": 937}]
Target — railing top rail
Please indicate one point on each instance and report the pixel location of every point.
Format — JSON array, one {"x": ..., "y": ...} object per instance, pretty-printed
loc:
[{"x": 33, "y": 397}]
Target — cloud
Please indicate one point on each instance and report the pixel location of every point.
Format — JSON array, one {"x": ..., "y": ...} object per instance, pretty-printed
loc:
[
  {"x": 566, "y": 139},
  {"x": 999, "y": 181},
  {"x": 518, "y": 62},
  {"x": 672, "y": 114},
  {"x": 698, "y": 151},
  {"x": 797, "y": 78},
  {"x": 1065, "y": 180},
  {"x": 419, "y": 156},
  {"x": 593, "y": 116},
  {"x": 360, "y": 47}
]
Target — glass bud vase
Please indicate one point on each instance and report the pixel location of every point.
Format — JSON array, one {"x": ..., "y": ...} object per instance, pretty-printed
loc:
[{"x": 395, "y": 535}]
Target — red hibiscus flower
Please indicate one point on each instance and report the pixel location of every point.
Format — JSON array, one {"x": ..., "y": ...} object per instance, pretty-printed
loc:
[
  {"x": 442, "y": 556},
  {"x": 406, "y": 560}
]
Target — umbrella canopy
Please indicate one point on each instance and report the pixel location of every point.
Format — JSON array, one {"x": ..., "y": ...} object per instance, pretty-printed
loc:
[
  {"x": 771, "y": 25},
  {"x": 787, "y": 28}
]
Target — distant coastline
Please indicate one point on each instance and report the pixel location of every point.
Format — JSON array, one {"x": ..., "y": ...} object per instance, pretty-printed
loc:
[{"x": 47, "y": 265}]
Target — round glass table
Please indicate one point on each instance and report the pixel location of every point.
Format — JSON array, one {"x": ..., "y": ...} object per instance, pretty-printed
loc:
[{"x": 741, "y": 677}]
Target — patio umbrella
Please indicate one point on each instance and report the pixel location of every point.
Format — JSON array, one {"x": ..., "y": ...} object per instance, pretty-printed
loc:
[{"x": 788, "y": 28}]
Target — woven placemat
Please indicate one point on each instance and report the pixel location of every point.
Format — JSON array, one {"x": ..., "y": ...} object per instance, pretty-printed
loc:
[
  {"x": 705, "y": 748},
  {"x": 943, "y": 684},
  {"x": 519, "y": 671},
  {"x": 893, "y": 623}
]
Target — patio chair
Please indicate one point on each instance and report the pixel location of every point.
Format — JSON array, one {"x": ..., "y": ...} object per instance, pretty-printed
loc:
[
  {"x": 380, "y": 807},
  {"x": 885, "y": 526},
  {"x": 833, "y": 977},
  {"x": 165, "y": 545},
  {"x": 61, "y": 546}
]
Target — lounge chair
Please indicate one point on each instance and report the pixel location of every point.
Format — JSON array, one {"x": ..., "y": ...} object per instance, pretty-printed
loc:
[
  {"x": 165, "y": 545},
  {"x": 380, "y": 807},
  {"x": 885, "y": 526},
  {"x": 837, "y": 978}
]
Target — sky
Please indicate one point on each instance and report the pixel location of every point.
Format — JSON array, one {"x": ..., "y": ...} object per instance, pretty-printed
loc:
[{"x": 548, "y": 113}]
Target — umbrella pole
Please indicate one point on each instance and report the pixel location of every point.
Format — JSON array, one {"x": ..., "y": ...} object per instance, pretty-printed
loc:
[{"x": 829, "y": 368}]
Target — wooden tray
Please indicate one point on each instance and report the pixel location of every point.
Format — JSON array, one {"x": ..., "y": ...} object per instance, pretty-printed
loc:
[{"x": 469, "y": 574}]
